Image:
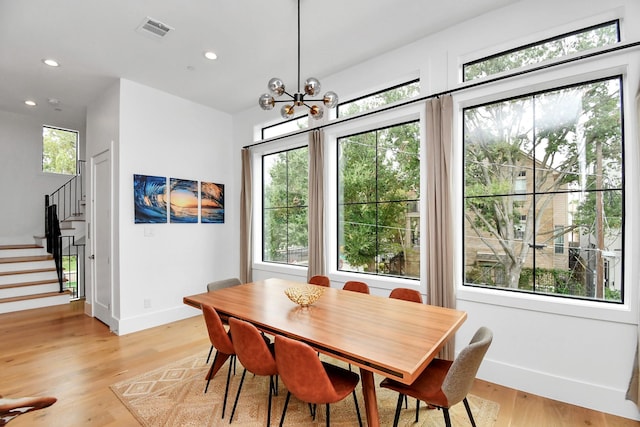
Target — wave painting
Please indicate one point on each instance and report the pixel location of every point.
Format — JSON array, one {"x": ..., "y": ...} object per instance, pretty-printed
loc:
[
  {"x": 183, "y": 200},
  {"x": 150, "y": 199},
  {"x": 212, "y": 201}
]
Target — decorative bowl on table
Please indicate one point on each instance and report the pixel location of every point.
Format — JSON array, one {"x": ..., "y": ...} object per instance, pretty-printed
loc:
[{"x": 304, "y": 296}]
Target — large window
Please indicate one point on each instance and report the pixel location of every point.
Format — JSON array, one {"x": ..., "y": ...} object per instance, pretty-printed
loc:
[
  {"x": 378, "y": 99},
  {"x": 378, "y": 194},
  {"x": 59, "y": 150},
  {"x": 553, "y": 48},
  {"x": 567, "y": 143},
  {"x": 285, "y": 201}
]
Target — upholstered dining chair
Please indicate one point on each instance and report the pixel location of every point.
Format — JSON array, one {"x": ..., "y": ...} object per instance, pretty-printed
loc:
[
  {"x": 355, "y": 286},
  {"x": 220, "y": 284},
  {"x": 12, "y": 408},
  {"x": 256, "y": 355},
  {"x": 221, "y": 340},
  {"x": 444, "y": 383},
  {"x": 311, "y": 380},
  {"x": 406, "y": 294},
  {"x": 320, "y": 280}
]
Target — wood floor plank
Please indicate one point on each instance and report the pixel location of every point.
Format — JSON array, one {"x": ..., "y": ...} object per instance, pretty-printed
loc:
[{"x": 59, "y": 351}]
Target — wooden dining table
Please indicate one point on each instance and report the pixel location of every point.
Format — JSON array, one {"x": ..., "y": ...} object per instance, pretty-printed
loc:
[{"x": 393, "y": 338}]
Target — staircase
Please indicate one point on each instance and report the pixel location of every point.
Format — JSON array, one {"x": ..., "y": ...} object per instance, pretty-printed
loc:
[{"x": 28, "y": 279}]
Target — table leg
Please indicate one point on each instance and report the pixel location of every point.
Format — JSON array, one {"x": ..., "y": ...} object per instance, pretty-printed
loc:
[
  {"x": 370, "y": 401},
  {"x": 217, "y": 363}
]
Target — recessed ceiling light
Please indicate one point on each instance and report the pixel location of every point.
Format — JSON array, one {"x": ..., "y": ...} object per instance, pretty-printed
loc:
[
  {"x": 30, "y": 103},
  {"x": 51, "y": 62},
  {"x": 210, "y": 55}
]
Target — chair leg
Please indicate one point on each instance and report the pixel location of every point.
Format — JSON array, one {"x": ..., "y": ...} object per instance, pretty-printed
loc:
[
  {"x": 271, "y": 386},
  {"x": 284, "y": 409},
  {"x": 396, "y": 418},
  {"x": 355, "y": 399},
  {"x": 233, "y": 411},
  {"x": 447, "y": 419},
  {"x": 468, "y": 408},
  {"x": 226, "y": 389},
  {"x": 210, "y": 351},
  {"x": 210, "y": 371},
  {"x": 417, "y": 409},
  {"x": 328, "y": 415}
]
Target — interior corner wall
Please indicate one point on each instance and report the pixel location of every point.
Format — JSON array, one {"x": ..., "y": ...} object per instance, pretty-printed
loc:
[
  {"x": 163, "y": 135},
  {"x": 22, "y": 183}
]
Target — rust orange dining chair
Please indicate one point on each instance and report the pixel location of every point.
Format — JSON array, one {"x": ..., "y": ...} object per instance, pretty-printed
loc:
[
  {"x": 311, "y": 380},
  {"x": 444, "y": 383},
  {"x": 256, "y": 355},
  {"x": 12, "y": 408},
  {"x": 356, "y": 286},
  {"x": 320, "y": 280},
  {"x": 406, "y": 294},
  {"x": 221, "y": 340},
  {"x": 220, "y": 284}
]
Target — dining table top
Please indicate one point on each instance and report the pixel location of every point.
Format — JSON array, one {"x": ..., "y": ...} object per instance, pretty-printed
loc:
[{"x": 391, "y": 337}]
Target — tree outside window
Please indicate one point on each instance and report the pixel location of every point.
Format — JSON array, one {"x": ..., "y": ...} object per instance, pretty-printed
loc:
[
  {"x": 378, "y": 194},
  {"x": 59, "y": 150},
  {"x": 569, "y": 141},
  {"x": 285, "y": 205}
]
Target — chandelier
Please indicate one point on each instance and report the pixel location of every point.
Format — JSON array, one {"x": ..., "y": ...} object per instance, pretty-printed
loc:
[{"x": 311, "y": 88}]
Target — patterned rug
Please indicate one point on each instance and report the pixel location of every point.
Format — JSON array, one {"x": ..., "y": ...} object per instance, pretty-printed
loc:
[{"x": 173, "y": 396}]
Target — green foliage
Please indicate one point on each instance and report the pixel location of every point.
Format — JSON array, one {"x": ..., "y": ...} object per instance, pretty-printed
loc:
[{"x": 59, "y": 151}]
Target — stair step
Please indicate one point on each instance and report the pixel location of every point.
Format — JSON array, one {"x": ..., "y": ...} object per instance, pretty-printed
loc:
[
  {"x": 31, "y": 283},
  {"x": 28, "y": 246},
  {"x": 34, "y": 296},
  {"x": 34, "y": 270},
  {"x": 10, "y": 260}
]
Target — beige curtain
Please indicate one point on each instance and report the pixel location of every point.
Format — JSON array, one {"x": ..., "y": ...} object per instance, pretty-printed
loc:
[
  {"x": 633, "y": 391},
  {"x": 246, "y": 208},
  {"x": 316, "y": 203},
  {"x": 439, "y": 234}
]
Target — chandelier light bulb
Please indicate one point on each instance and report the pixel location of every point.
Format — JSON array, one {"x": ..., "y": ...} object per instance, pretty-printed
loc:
[
  {"x": 266, "y": 101},
  {"x": 287, "y": 111},
  {"x": 330, "y": 99},
  {"x": 312, "y": 86},
  {"x": 316, "y": 112},
  {"x": 276, "y": 86}
]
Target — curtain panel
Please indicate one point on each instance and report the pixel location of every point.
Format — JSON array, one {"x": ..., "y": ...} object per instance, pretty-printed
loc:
[
  {"x": 246, "y": 208},
  {"x": 439, "y": 233},
  {"x": 316, "y": 204}
]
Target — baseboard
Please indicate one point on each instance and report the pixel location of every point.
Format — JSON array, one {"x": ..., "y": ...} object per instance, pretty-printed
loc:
[
  {"x": 592, "y": 396},
  {"x": 153, "y": 319}
]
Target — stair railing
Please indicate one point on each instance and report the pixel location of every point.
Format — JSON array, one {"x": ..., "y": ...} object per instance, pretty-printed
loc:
[{"x": 66, "y": 203}]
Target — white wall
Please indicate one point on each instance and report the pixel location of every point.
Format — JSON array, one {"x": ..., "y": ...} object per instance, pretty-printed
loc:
[
  {"x": 23, "y": 185},
  {"x": 573, "y": 351},
  {"x": 163, "y": 135}
]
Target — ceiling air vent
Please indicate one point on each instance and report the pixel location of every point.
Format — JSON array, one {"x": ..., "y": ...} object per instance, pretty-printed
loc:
[{"x": 154, "y": 27}]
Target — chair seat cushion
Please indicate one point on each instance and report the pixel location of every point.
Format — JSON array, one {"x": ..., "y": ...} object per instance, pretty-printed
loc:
[
  {"x": 343, "y": 382},
  {"x": 427, "y": 386}
]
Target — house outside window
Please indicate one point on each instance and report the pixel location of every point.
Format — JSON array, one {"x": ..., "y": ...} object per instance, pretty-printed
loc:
[
  {"x": 569, "y": 140},
  {"x": 378, "y": 194},
  {"x": 285, "y": 207},
  {"x": 59, "y": 150}
]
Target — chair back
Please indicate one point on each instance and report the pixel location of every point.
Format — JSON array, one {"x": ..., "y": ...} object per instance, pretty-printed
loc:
[
  {"x": 355, "y": 286},
  {"x": 224, "y": 283},
  {"x": 217, "y": 333},
  {"x": 302, "y": 371},
  {"x": 459, "y": 379},
  {"x": 406, "y": 294},
  {"x": 320, "y": 280},
  {"x": 251, "y": 348}
]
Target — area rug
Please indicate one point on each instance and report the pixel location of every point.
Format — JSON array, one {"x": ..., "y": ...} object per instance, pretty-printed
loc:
[{"x": 173, "y": 396}]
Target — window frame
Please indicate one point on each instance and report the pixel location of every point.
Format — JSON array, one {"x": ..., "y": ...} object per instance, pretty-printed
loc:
[
  {"x": 77, "y": 150},
  {"x": 515, "y": 297}
]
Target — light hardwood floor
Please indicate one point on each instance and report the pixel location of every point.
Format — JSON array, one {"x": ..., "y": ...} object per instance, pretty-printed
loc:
[{"x": 59, "y": 351}]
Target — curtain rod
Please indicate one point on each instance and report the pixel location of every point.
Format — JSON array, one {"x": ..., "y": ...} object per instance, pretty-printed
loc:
[{"x": 452, "y": 91}]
